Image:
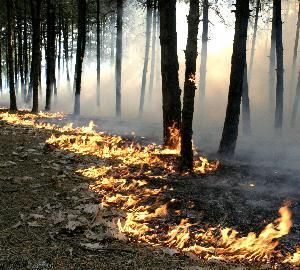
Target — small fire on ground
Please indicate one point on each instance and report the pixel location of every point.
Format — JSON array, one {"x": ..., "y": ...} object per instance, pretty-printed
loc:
[{"x": 124, "y": 178}]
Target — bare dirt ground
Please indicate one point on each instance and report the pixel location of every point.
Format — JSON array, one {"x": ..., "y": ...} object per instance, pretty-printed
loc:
[{"x": 46, "y": 209}]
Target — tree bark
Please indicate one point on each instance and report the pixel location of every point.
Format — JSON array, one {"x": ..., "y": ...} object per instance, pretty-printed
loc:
[
  {"x": 295, "y": 54},
  {"x": 119, "y": 45},
  {"x": 147, "y": 49},
  {"x": 81, "y": 42},
  {"x": 203, "y": 63},
  {"x": 36, "y": 52},
  {"x": 153, "y": 56},
  {"x": 246, "y": 104},
  {"x": 1, "y": 86},
  {"x": 50, "y": 53},
  {"x": 169, "y": 71},
  {"x": 10, "y": 55},
  {"x": 25, "y": 50},
  {"x": 20, "y": 53},
  {"x": 187, "y": 157},
  {"x": 231, "y": 124},
  {"x": 98, "y": 54},
  {"x": 279, "y": 70},
  {"x": 257, "y": 9},
  {"x": 272, "y": 64},
  {"x": 65, "y": 29},
  {"x": 296, "y": 104}
]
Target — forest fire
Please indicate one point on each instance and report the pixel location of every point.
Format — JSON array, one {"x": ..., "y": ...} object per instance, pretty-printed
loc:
[{"x": 123, "y": 179}]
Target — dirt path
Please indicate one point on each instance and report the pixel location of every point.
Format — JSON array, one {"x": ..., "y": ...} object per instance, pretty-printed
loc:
[{"x": 46, "y": 210}]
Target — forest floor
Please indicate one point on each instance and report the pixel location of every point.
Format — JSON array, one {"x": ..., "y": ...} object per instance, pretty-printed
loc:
[{"x": 46, "y": 209}]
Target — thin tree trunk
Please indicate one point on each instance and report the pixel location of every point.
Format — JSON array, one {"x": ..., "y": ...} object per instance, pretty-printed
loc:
[
  {"x": 257, "y": 9},
  {"x": 279, "y": 70},
  {"x": 98, "y": 54},
  {"x": 20, "y": 53},
  {"x": 246, "y": 104},
  {"x": 81, "y": 42},
  {"x": 187, "y": 158},
  {"x": 112, "y": 39},
  {"x": 16, "y": 60},
  {"x": 36, "y": 52},
  {"x": 295, "y": 55},
  {"x": 272, "y": 64},
  {"x": 10, "y": 54},
  {"x": 231, "y": 124},
  {"x": 153, "y": 56},
  {"x": 66, "y": 44},
  {"x": 203, "y": 71},
  {"x": 169, "y": 71},
  {"x": 50, "y": 53},
  {"x": 1, "y": 63},
  {"x": 25, "y": 51},
  {"x": 59, "y": 45},
  {"x": 147, "y": 49},
  {"x": 119, "y": 52},
  {"x": 296, "y": 103}
]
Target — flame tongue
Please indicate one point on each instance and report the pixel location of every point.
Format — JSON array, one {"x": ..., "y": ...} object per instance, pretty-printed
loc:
[{"x": 124, "y": 181}]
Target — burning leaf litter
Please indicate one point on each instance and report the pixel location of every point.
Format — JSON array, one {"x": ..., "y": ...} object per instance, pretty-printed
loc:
[{"x": 124, "y": 183}]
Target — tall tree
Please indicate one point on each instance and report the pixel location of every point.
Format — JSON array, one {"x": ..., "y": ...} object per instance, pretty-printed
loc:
[
  {"x": 36, "y": 52},
  {"x": 238, "y": 60},
  {"x": 147, "y": 49},
  {"x": 257, "y": 9},
  {"x": 296, "y": 103},
  {"x": 246, "y": 104},
  {"x": 203, "y": 71},
  {"x": 187, "y": 159},
  {"x": 1, "y": 86},
  {"x": 10, "y": 54},
  {"x": 153, "y": 54},
  {"x": 25, "y": 54},
  {"x": 272, "y": 64},
  {"x": 119, "y": 52},
  {"x": 98, "y": 53},
  {"x": 169, "y": 71},
  {"x": 279, "y": 70},
  {"x": 81, "y": 42},
  {"x": 20, "y": 52},
  {"x": 50, "y": 53},
  {"x": 296, "y": 45}
]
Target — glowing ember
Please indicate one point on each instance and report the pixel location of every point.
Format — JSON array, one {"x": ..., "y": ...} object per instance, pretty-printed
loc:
[{"x": 123, "y": 180}]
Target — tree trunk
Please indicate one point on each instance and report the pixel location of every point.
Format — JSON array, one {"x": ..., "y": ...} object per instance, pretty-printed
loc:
[
  {"x": 25, "y": 50},
  {"x": 169, "y": 71},
  {"x": 147, "y": 49},
  {"x": 295, "y": 55},
  {"x": 257, "y": 9},
  {"x": 112, "y": 39},
  {"x": 279, "y": 70},
  {"x": 50, "y": 53},
  {"x": 36, "y": 52},
  {"x": 66, "y": 44},
  {"x": 203, "y": 71},
  {"x": 153, "y": 56},
  {"x": 98, "y": 54},
  {"x": 119, "y": 45},
  {"x": 81, "y": 41},
  {"x": 1, "y": 65},
  {"x": 296, "y": 103},
  {"x": 272, "y": 64},
  {"x": 231, "y": 124},
  {"x": 10, "y": 55},
  {"x": 246, "y": 104},
  {"x": 59, "y": 45},
  {"x": 20, "y": 53},
  {"x": 187, "y": 158}
]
